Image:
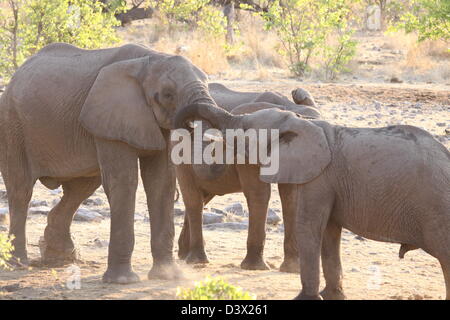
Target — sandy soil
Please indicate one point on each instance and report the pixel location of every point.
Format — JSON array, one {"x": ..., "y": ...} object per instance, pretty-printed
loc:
[{"x": 372, "y": 270}]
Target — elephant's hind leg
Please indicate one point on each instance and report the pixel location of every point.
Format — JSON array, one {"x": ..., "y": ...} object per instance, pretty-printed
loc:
[
  {"x": 19, "y": 185},
  {"x": 58, "y": 247}
]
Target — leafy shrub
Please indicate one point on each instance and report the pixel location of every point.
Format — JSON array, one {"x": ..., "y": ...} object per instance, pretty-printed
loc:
[
  {"x": 191, "y": 14},
  {"x": 303, "y": 28},
  {"x": 28, "y": 25},
  {"x": 429, "y": 18},
  {"x": 214, "y": 289},
  {"x": 6, "y": 248}
]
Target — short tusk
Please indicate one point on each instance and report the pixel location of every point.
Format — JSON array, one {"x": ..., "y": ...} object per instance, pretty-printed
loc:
[
  {"x": 211, "y": 137},
  {"x": 193, "y": 125}
]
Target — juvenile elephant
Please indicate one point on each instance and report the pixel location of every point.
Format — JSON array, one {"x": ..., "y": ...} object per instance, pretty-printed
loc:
[
  {"x": 387, "y": 184},
  {"x": 200, "y": 183},
  {"x": 79, "y": 118},
  {"x": 229, "y": 99}
]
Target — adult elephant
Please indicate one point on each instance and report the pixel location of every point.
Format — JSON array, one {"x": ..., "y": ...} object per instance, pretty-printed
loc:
[{"x": 81, "y": 118}]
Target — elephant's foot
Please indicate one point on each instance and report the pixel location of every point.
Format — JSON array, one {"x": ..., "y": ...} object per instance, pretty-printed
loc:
[
  {"x": 254, "y": 263},
  {"x": 303, "y": 296},
  {"x": 183, "y": 244},
  {"x": 121, "y": 274},
  {"x": 60, "y": 254},
  {"x": 165, "y": 271},
  {"x": 18, "y": 260},
  {"x": 183, "y": 251},
  {"x": 290, "y": 265},
  {"x": 333, "y": 294},
  {"x": 197, "y": 256}
]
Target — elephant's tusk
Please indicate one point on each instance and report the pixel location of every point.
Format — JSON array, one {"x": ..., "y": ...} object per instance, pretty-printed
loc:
[
  {"x": 193, "y": 125},
  {"x": 211, "y": 137}
]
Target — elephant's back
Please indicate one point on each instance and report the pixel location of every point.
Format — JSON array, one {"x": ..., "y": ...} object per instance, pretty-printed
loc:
[
  {"x": 229, "y": 99},
  {"x": 43, "y": 101}
]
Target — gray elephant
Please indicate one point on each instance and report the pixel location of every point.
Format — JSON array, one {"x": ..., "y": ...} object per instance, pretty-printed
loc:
[
  {"x": 387, "y": 184},
  {"x": 229, "y": 99},
  {"x": 81, "y": 118},
  {"x": 200, "y": 183}
]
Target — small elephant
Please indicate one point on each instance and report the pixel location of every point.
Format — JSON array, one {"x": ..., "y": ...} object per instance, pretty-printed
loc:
[
  {"x": 229, "y": 99},
  {"x": 387, "y": 184},
  {"x": 80, "y": 118},
  {"x": 200, "y": 183}
]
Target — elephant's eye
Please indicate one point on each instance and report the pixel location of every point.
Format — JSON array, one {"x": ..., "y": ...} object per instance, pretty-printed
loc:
[
  {"x": 167, "y": 94},
  {"x": 287, "y": 136}
]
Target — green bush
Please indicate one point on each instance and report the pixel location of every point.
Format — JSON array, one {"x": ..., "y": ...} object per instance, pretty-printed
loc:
[
  {"x": 28, "y": 25},
  {"x": 6, "y": 248},
  {"x": 192, "y": 14},
  {"x": 303, "y": 28},
  {"x": 214, "y": 289},
  {"x": 429, "y": 18}
]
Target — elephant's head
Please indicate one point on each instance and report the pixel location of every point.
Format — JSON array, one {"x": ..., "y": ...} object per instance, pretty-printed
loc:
[
  {"x": 214, "y": 171},
  {"x": 131, "y": 100},
  {"x": 303, "y": 147}
]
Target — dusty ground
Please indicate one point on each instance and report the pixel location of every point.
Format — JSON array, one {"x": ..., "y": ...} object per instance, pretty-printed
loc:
[{"x": 372, "y": 270}]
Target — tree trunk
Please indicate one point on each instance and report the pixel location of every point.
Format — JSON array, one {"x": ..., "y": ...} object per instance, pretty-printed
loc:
[
  {"x": 229, "y": 13},
  {"x": 134, "y": 14}
]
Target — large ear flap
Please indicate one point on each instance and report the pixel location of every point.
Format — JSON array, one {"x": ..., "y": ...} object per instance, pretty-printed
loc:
[
  {"x": 303, "y": 153},
  {"x": 116, "y": 107}
]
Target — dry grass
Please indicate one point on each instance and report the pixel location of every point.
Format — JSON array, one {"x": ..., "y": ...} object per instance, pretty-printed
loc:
[
  {"x": 254, "y": 49},
  {"x": 255, "y": 56}
]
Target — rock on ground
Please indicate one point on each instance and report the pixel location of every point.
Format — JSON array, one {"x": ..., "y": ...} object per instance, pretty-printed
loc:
[
  {"x": 235, "y": 208},
  {"x": 210, "y": 218},
  {"x": 38, "y": 203},
  {"x": 273, "y": 217},
  {"x": 3, "y": 195},
  {"x": 87, "y": 215},
  {"x": 44, "y": 210},
  {"x": 93, "y": 202},
  {"x": 228, "y": 225},
  {"x": 178, "y": 212}
]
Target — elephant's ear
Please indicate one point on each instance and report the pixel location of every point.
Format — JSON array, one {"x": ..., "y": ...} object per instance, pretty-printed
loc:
[
  {"x": 303, "y": 153},
  {"x": 116, "y": 107}
]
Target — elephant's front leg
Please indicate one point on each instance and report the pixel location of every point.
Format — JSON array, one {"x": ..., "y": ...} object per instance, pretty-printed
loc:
[
  {"x": 257, "y": 194},
  {"x": 331, "y": 262},
  {"x": 313, "y": 211},
  {"x": 191, "y": 243},
  {"x": 118, "y": 164},
  {"x": 288, "y": 196},
  {"x": 158, "y": 176}
]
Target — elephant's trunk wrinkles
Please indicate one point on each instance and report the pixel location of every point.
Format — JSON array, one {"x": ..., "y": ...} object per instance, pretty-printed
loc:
[
  {"x": 196, "y": 92},
  {"x": 216, "y": 116}
]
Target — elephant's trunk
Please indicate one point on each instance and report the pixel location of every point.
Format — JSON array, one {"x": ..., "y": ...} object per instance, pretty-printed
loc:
[
  {"x": 195, "y": 92},
  {"x": 216, "y": 116}
]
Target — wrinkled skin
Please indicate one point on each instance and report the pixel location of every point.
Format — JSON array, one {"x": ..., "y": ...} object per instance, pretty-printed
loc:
[
  {"x": 200, "y": 183},
  {"x": 80, "y": 118},
  {"x": 387, "y": 184}
]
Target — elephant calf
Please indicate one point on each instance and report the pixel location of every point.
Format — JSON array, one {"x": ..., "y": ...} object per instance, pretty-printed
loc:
[
  {"x": 387, "y": 184},
  {"x": 200, "y": 183}
]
